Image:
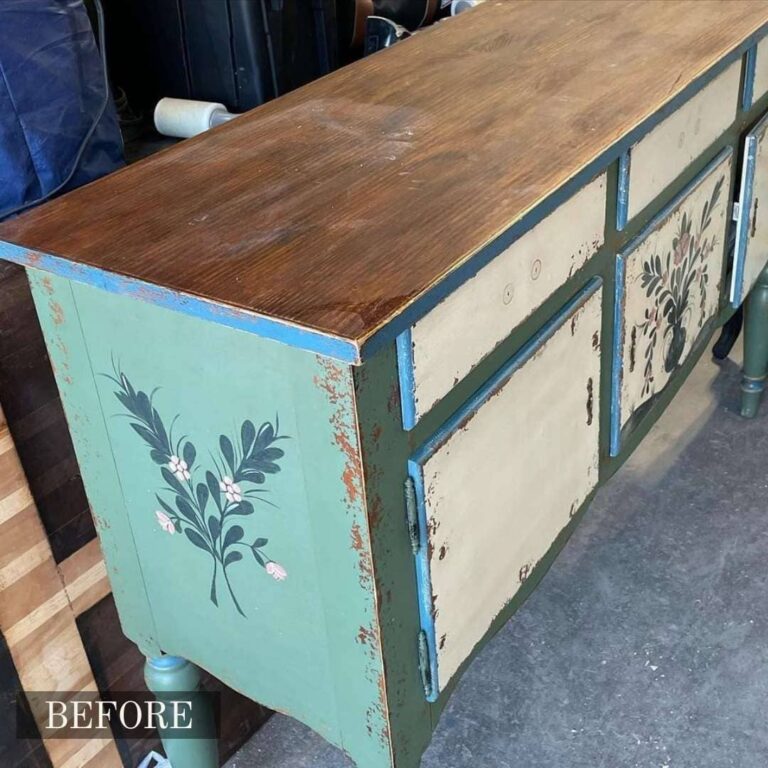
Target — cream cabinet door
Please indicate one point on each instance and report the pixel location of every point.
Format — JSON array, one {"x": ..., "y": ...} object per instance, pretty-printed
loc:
[
  {"x": 502, "y": 478},
  {"x": 751, "y": 252},
  {"x": 667, "y": 150},
  {"x": 668, "y": 283}
]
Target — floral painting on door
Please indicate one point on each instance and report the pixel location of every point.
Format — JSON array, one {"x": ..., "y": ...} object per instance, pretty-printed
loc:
[{"x": 668, "y": 289}]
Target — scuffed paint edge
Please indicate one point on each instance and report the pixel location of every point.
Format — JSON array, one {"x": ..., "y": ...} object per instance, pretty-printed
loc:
[
  {"x": 343, "y": 350},
  {"x": 406, "y": 378},
  {"x": 749, "y": 78},
  {"x": 616, "y": 361},
  {"x": 622, "y": 194},
  {"x": 424, "y": 581},
  {"x": 362, "y": 540},
  {"x": 745, "y": 207}
]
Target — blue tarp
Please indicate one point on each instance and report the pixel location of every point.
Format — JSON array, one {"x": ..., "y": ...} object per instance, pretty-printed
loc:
[{"x": 51, "y": 91}]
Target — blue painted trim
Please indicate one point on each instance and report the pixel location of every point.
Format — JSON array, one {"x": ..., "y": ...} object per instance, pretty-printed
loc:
[
  {"x": 428, "y": 448},
  {"x": 749, "y": 78},
  {"x": 745, "y": 206},
  {"x": 616, "y": 367},
  {"x": 424, "y": 579},
  {"x": 195, "y": 306},
  {"x": 618, "y": 314},
  {"x": 405, "y": 376},
  {"x": 472, "y": 265},
  {"x": 622, "y": 194}
]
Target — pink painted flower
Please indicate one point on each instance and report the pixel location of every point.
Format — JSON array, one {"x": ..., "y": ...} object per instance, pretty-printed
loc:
[
  {"x": 231, "y": 490},
  {"x": 179, "y": 468},
  {"x": 165, "y": 522},
  {"x": 276, "y": 571}
]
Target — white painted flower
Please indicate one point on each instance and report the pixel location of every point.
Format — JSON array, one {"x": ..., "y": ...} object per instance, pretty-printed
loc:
[
  {"x": 179, "y": 468},
  {"x": 276, "y": 571},
  {"x": 165, "y": 522},
  {"x": 231, "y": 490}
]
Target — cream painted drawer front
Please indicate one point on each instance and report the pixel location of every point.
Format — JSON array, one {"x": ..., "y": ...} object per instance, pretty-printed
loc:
[
  {"x": 752, "y": 225},
  {"x": 760, "y": 82},
  {"x": 498, "y": 483},
  {"x": 664, "y": 153},
  {"x": 445, "y": 345},
  {"x": 667, "y": 288}
]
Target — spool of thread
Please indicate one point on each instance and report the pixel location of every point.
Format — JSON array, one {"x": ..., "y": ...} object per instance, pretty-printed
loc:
[{"x": 184, "y": 118}]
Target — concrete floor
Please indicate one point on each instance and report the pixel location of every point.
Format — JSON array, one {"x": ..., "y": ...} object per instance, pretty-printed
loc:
[{"x": 646, "y": 644}]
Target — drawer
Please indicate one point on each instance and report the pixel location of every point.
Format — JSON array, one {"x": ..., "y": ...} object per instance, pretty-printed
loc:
[
  {"x": 446, "y": 344},
  {"x": 760, "y": 78},
  {"x": 664, "y": 153},
  {"x": 502, "y": 478},
  {"x": 668, "y": 283},
  {"x": 751, "y": 252}
]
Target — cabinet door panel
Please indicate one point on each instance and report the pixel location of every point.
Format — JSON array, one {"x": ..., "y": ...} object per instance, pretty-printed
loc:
[
  {"x": 751, "y": 252},
  {"x": 446, "y": 344},
  {"x": 500, "y": 481},
  {"x": 664, "y": 153},
  {"x": 667, "y": 293}
]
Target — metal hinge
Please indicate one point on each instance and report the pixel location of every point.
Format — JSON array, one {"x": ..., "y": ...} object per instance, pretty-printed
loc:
[
  {"x": 425, "y": 666},
  {"x": 412, "y": 515},
  {"x": 414, "y": 533},
  {"x": 736, "y": 210}
]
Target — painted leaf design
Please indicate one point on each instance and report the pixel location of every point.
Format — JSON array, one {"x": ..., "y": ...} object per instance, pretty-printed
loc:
[
  {"x": 189, "y": 454},
  {"x": 196, "y": 539},
  {"x": 213, "y": 487},
  {"x": 228, "y": 452},
  {"x": 233, "y": 535},
  {"x": 247, "y": 436},
  {"x": 205, "y": 531},
  {"x": 202, "y": 496},
  {"x": 174, "y": 484},
  {"x": 186, "y": 509},
  {"x": 243, "y": 508},
  {"x": 232, "y": 557}
]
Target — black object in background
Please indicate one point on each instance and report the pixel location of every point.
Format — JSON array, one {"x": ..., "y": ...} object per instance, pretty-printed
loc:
[{"x": 237, "y": 52}]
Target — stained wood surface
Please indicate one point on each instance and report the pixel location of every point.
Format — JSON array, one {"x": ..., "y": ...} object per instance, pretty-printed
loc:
[{"x": 340, "y": 203}]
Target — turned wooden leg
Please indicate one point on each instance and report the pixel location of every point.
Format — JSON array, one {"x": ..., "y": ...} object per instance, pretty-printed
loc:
[
  {"x": 755, "y": 346},
  {"x": 173, "y": 679}
]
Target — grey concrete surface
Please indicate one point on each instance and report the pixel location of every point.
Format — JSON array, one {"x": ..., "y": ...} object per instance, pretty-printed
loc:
[{"x": 646, "y": 644}]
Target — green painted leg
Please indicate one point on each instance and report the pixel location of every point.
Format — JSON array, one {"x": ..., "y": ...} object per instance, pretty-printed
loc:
[
  {"x": 173, "y": 679},
  {"x": 755, "y": 346}
]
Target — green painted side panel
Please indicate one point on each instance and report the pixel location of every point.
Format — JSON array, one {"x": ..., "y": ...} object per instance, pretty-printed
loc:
[
  {"x": 66, "y": 348},
  {"x": 224, "y": 453}
]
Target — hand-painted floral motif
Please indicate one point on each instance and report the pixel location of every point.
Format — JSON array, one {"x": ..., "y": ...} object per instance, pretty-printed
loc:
[
  {"x": 669, "y": 281},
  {"x": 208, "y": 513}
]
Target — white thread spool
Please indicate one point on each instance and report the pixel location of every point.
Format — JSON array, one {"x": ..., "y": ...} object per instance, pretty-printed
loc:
[{"x": 184, "y": 118}]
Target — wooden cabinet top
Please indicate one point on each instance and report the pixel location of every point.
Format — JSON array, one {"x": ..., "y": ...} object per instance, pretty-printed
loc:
[{"x": 345, "y": 208}]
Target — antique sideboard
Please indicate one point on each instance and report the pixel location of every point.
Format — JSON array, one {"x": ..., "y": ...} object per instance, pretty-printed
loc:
[{"x": 343, "y": 374}]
